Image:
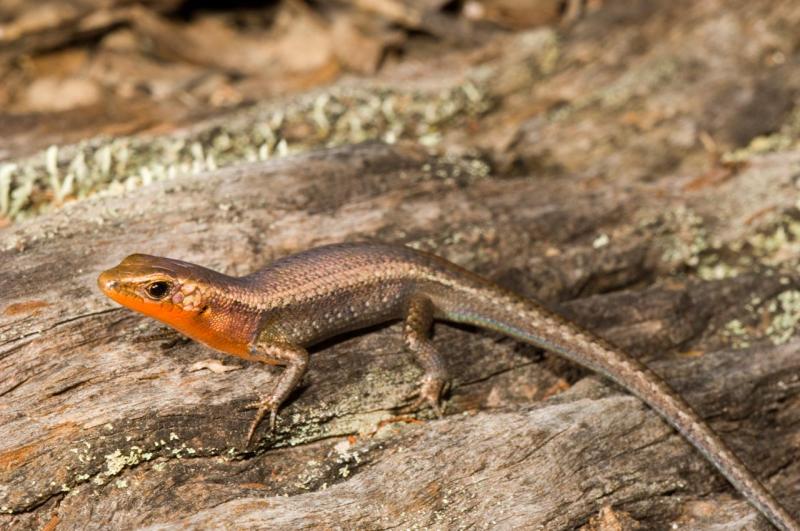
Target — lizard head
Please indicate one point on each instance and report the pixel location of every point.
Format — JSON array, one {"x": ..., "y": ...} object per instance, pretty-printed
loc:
[
  {"x": 168, "y": 290},
  {"x": 182, "y": 295}
]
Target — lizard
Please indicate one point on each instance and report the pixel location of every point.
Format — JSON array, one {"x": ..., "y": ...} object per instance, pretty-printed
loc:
[{"x": 275, "y": 313}]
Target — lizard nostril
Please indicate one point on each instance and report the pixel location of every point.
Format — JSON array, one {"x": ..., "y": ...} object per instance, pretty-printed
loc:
[{"x": 106, "y": 284}]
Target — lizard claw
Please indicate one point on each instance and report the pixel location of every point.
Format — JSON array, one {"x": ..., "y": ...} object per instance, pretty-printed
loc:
[
  {"x": 262, "y": 407},
  {"x": 429, "y": 392}
]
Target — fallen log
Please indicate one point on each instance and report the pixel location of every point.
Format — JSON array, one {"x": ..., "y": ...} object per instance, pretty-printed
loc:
[{"x": 108, "y": 418}]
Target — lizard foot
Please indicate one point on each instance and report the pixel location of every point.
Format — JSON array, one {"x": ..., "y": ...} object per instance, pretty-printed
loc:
[
  {"x": 263, "y": 406},
  {"x": 429, "y": 392}
]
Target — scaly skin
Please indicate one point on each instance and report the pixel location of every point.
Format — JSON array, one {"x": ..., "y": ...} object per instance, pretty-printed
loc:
[{"x": 274, "y": 314}]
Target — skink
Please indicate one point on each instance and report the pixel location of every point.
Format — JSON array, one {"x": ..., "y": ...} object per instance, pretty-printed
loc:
[{"x": 272, "y": 316}]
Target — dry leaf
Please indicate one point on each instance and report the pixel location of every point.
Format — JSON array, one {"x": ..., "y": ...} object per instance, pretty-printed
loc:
[
  {"x": 515, "y": 14},
  {"x": 360, "y": 42},
  {"x": 50, "y": 94}
]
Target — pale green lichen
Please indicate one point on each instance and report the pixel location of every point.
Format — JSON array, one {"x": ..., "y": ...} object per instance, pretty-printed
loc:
[
  {"x": 736, "y": 334},
  {"x": 776, "y": 320},
  {"x": 83, "y": 455},
  {"x": 711, "y": 268},
  {"x": 336, "y": 116},
  {"x": 784, "y": 311},
  {"x": 688, "y": 244},
  {"x": 768, "y": 244},
  {"x": 786, "y": 138},
  {"x": 759, "y": 146},
  {"x": 549, "y": 51},
  {"x": 773, "y": 245},
  {"x": 634, "y": 83},
  {"x": 638, "y": 82},
  {"x": 778, "y": 243},
  {"x": 117, "y": 461},
  {"x": 686, "y": 237}
]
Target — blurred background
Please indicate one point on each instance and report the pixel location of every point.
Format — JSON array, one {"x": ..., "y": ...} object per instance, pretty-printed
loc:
[{"x": 99, "y": 96}]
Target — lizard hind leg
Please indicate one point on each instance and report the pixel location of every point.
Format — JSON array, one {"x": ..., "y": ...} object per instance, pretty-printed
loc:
[{"x": 416, "y": 333}]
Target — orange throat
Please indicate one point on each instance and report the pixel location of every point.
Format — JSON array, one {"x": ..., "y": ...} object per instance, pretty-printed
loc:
[{"x": 200, "y": 327}]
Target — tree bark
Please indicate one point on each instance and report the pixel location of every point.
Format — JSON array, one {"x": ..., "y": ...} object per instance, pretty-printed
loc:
[{"x": 109, "y": 420}]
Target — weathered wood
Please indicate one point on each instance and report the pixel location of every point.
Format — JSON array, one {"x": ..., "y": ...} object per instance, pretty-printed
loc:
[{"x": 103, "y": 421}]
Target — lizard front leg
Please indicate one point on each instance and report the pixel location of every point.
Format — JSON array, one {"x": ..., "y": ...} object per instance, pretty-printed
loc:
[
  {"x": 295, "y": 361},
  {"x": 416, "y": 332}
]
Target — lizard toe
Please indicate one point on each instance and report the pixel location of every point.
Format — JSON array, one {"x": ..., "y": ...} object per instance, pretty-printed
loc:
[{"x": 262, "y": 407}]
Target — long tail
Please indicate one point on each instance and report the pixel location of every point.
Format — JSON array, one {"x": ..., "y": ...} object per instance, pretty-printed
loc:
[{"x": 493, "y": 308}]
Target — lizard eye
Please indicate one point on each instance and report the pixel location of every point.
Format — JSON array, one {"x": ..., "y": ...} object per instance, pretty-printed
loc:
[{"x": 157, "y": 290}]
